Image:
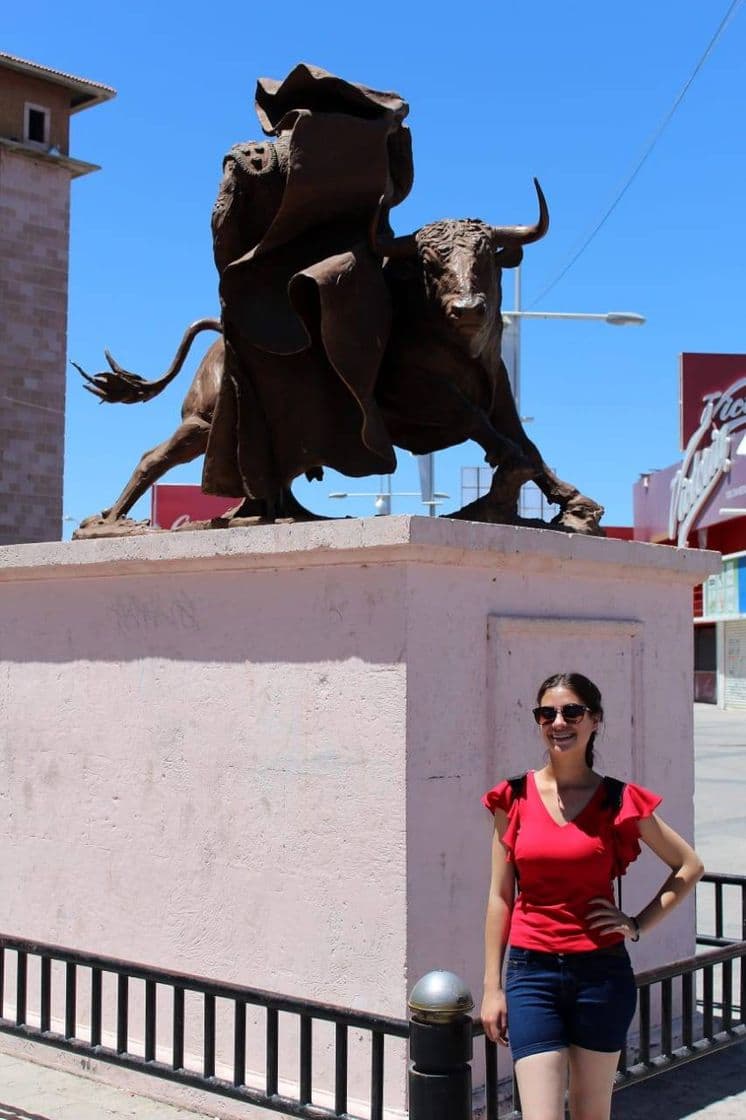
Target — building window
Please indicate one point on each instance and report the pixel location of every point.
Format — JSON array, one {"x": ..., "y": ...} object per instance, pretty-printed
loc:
[{"x": 36, "y": 124}]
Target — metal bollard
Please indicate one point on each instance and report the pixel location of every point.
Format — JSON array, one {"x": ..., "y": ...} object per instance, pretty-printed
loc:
[{"x": 440, "y": 1048}]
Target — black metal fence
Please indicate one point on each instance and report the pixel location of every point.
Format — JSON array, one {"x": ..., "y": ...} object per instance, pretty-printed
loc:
[
  {"x": 721, "y": 899},
  {"x": 698, "y": 1005},
  {"x": 56, "y": 996},
  {"x": 315, "y": 1060},
  {"x": 686, "y": 1010}
]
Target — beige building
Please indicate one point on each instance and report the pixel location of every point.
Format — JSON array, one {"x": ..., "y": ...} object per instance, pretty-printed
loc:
[{"x": 36, "y": 104}]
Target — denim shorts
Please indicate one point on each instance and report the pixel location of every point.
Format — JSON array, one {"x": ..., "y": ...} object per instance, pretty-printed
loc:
[{"x": 556, "y": 1000}]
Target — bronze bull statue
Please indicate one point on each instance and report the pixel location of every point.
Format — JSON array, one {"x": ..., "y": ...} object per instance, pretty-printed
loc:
[{"x": 441, "y": 379}]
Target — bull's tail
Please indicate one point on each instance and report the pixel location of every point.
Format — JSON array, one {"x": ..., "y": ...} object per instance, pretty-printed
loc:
[{"x": 119, "y": 386}]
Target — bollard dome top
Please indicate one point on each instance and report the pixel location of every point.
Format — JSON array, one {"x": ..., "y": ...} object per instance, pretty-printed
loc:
[{"x": 440, "y": 995}]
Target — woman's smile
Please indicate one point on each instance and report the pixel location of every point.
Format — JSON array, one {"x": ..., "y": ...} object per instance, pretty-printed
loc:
[{"x": 562, "y": 738}]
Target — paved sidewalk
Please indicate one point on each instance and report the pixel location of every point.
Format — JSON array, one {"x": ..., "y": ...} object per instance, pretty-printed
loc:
[
  {"x": 39, "y": 1093},
  {"x": 720, "y": 789},
  {"x": 711, "y": 1088}
]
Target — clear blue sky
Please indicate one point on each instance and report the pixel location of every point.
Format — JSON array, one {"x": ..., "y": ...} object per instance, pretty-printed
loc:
[{"x": 499, "y": 92}]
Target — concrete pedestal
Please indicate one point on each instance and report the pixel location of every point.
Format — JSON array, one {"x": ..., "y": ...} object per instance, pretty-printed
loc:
[{"x": 257, "y": 754}]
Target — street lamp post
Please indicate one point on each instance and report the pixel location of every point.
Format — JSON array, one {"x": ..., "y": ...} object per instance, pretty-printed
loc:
[{"x": 512, "y": 329}]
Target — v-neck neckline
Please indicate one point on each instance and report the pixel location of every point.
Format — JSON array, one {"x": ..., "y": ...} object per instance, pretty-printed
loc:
[{"x": 577, "y": 816}]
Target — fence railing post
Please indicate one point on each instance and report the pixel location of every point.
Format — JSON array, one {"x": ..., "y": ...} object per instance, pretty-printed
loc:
[{"x": 440, "y": 1048}]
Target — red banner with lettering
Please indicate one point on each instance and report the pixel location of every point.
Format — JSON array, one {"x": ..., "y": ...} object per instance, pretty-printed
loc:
[
  {"x": 703, "y": 376},
  {"x": 709, "y": 486},
  {"x": 173, "y": 505}
]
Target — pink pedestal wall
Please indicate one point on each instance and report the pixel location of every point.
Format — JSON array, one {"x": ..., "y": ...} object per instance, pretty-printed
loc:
[{"x": 257, "y": 755}]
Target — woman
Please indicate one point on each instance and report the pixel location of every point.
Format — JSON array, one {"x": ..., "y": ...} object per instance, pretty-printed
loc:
[{"x": 562, "y": 835}]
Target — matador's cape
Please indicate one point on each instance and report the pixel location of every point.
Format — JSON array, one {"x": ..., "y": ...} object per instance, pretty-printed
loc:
[{"x": 306, "y": 312}]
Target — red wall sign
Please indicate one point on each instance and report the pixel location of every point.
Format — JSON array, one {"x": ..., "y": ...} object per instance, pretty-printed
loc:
[
  {"x": 701, "y": 376},
  {"x": 173, "y": 505},
  {"x": 709, "y": 486}
]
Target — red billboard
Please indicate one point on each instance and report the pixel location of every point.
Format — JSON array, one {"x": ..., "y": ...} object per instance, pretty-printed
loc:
[
  {"x": 701, "y": 377},
  {"x": 709, "y": 486},
  {"x": 173, "y": 505}
]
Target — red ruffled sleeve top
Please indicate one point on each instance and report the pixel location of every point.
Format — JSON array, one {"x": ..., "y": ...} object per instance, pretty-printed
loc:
[{"x": 562, "y": 867}]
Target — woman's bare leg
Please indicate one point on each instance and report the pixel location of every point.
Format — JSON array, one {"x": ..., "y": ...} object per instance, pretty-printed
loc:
[
  {"x": 542, "y": 1080},
  {"x": 591, "y": 1083}
]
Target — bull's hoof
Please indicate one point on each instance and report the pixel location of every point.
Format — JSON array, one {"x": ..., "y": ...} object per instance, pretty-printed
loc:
[
  {"x": 580, "y": 515},
  {"x": 99, "y": 526}
]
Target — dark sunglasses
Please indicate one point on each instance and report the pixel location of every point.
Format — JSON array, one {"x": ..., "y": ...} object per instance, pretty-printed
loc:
[{"x": 570, "y": 713}]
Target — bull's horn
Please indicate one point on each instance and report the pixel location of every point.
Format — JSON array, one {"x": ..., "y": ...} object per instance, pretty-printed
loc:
[
  {"x": 395, "y": 248},
  {"x": 524, "y": 235}
]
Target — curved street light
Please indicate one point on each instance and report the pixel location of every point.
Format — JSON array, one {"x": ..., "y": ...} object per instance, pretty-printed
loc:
[
  {"x": 512, "y": 320},
  {"x": 512, "y": 335},
  {"x": 614, "y": 318}
]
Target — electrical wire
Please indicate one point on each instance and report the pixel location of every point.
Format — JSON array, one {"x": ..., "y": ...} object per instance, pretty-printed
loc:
[{"x": 646, "y": 153}]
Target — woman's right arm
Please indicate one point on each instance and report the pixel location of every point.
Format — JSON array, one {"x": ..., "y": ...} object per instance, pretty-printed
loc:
[{"x": 494, "y": 1012}]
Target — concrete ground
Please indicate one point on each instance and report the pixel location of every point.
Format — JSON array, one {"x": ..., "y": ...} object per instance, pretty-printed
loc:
[
  {"x": 711, "y": 1088},
  {"x": 38, "y": 1093},
  {"x": 720, "y": 789}
]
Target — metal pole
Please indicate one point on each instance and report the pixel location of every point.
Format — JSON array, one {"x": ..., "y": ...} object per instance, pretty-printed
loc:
[
  {"x": 426, "y": 467},
  {"x": 440, "y": 1048},
  {"x": 517, "y": 340},
  {"x": 383, "y": 498}
]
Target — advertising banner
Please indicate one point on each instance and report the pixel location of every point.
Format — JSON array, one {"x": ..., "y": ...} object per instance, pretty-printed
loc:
[
  {"x": 173, "y": 505},
  {"x": 702, "y": 376},
  {"x": 710, "y": 484}
]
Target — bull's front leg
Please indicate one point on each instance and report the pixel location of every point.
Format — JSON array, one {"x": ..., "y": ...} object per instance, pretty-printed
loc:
[
  {"x": 426, "y": 411},
  {"x": 500, "y": 505},
  {"x": 499, "y": 450},
  {"x": 577, "y": 512}
]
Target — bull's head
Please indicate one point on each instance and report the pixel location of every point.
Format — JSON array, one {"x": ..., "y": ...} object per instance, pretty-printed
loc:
[{"x": 461, "y": 263}]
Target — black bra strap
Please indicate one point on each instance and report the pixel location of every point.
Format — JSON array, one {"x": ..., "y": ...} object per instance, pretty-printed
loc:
[
  {"x": 613, "y": 790},
  {"x": 518, "y": 785}
]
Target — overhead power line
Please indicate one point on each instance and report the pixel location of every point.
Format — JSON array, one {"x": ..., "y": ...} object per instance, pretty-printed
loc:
[{"x": 646, "y": 152}]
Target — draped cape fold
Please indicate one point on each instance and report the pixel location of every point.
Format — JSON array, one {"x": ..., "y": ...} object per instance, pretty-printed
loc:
[{"x": 306, "y": 311}]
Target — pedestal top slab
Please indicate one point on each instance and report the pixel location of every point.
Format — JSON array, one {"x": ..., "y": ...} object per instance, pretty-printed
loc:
[{"x": 375, "y": 540}]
